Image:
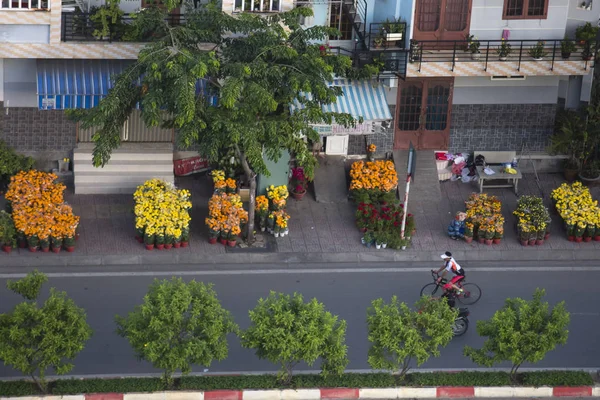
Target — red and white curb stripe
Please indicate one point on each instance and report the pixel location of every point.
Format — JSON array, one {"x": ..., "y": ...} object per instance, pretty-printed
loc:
[{"x": 342, "y": 393}]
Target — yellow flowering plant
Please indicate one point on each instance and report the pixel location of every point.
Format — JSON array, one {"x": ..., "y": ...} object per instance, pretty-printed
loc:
[
  {"x": 578, "y": 210},
  {"x": 533, "y": 215},
  {"x": 484, "y": 213},
  {"x": 373, "y": 181}
]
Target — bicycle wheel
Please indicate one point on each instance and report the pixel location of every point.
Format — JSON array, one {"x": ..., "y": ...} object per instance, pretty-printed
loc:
[
  {"x": 430, "y": 289},
  {"x": 471, "y": 294}
]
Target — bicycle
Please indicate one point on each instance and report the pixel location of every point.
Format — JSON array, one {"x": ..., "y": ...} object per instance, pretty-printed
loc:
[{"x": 470, "y": 295}]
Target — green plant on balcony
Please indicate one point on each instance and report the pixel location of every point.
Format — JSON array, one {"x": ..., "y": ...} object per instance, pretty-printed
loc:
[
  {"x": 107, "y": 20},
  {"x": 378, "y": 41},
  {"x": 393, "y": 30},
  {"x": 504, "y": 50},
  {"x": 567, "y": 46},
  {"x": 472, "y": 45},
  {"x": 586, "y": 37},
  {"x": 537, "y": 51}
]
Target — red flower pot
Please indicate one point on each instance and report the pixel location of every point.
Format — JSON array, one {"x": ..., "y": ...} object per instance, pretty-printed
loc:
[
  {"x": 139, "y": 239},
  {"x": 579, "y": 239},
  {"x": 597, "y": 238},
  {"x": 70, "y": 249},
  {"x": 184, "y": 244},
  {"x": 524, "y": 242},
  {"x": 160, "y": 246},
  {"x": 7, "y": 249},
  {"x": 211, "y": 241},
  {"x": 168, "y": 246},
  {"x": 232, "y": 243},
  {"x": 178, "y": 244},
  {"x": 22, "y": 244},
  {"x": 497, "y": 241},
  {"x": 223, "y": 241},
  {"x": 489, "y": 241},
  {"x": 481, "y": 240},
  {"x": 571, "y": 238},
  {"x": 587, "y": 238},
  {"x": 547, "y": 236},
  {"x": 46, "y": 249},
  {"x": 539, "y": 242},
  {"x": 363, "y": 230},
  {"x": 468, "y": 239},
  {"x": 32, "y": 249},
  {"x": 56, "y": 249},
  {"x": 150, "y": 246},
  {"x": 298, "y": 196},
  {"x": 532, "y": 242}
]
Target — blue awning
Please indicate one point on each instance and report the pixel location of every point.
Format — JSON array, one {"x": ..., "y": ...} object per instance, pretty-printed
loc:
[
  {"x": 64, "y": 84},
  {"x": 364, "y": 99}
]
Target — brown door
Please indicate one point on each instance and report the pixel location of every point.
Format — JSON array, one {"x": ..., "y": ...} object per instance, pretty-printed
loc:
[
  {"x": 423, "y": 112},
  {"x": 442, "y": 19}
]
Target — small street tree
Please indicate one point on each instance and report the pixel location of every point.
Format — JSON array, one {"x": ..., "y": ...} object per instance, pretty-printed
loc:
[
  {"x": 399, "y": 334},
  {"x": 521, "y": 331},
  {"x": 33, "y": 338},
  {"x": 286, "y": 330},
  {"x": 257, "y": 65},
  {"x": 178, "y": 324}
]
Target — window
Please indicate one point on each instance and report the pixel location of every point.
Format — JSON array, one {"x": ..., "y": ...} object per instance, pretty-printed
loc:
[
  {"x": 410, "y": 108},
  {"x": 257, "y": 5},
  {"x": 340, "y": 20},
  {"x": 525, "y": 9},
  {"x": 24, "y": 4},
  {"x": 437, "y": 108}
]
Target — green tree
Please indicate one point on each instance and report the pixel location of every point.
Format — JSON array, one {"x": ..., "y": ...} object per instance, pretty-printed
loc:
[
  {"x": 177, "y": 325},
  {"x": 33, "y": 338},
  {"x": 257, "y": 72},
  {"x": 286, "y": 331},
  {"x": 521, "y": 331},
  {"x": 399, "y": 334}
]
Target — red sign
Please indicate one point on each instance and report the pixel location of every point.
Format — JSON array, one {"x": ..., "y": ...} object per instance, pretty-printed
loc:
[{"x": 188, "y": 166}]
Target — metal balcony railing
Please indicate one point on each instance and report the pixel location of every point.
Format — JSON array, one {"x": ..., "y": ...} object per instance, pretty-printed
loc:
[
  {"x": 387, "y": 36},
  {"x": 393, "y": 63},
  {"x": 80, "y": 27},
  {"x": 511, "y": 51}
]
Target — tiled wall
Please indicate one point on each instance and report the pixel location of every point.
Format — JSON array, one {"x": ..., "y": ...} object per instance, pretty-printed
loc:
[
  {"x": 384, "y": 141},
  {"x": 31, "y": 130},
  {"x": 493, "y": 127}
]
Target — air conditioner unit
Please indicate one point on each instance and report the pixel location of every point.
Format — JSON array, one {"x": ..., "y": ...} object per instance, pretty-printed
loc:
[
  {"x": 393, "y": 82},
  {"x": 508, "y": 78}
]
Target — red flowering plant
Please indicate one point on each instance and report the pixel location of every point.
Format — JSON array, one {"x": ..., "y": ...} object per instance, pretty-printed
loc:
[
  {"x": 324, "y": 49},
  {"x": 298, "y": 180}
]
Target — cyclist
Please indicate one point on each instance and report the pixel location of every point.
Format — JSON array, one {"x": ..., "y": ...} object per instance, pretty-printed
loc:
[{"x": 451, "y": 265}]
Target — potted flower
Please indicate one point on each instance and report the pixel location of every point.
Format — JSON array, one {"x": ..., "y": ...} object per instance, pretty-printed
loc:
[
  {"x": 149, "y": 239},
  {"x": 168, "y": 242},
  {"x": 586, "y": 35},
  {"x": 504, "y": 50},
  {"x": 393, "y": 30},
  {"x": 160, "y": 239},
  {"x": 579, "y": 231},
  {"x": 56, "y": 243},
  {"x": 498, "y": 234},
  {"x": 538, "y": 52},
  {"x": 69, "y": 243},
  {"x": 489, "y": 235},
  {"x": 378, "y": 239},
  {"x": 481, "y": 233},
  {"x": 590, "y": 232},
  {"x": 371, "y": 152},
  {"x": 590, "y": 173},
  {"x": 468, "y": 231},
  {"x": 139, "y": 234},
  {"x": 262, "y": 211},
  {"x": 472, "y": 46},
  {"x": 378, "y": 41},
  {"x": 570, "y": 231},
  {"x": 597, "y": 232},
  {"x": 524, "y": 234},
  {"x": 33, "y": 242},
  {"x": 45, "y": 244},
  {"x": 7, "y": 231},
  {"x": 415, "y": 51},
  {"x": 567, "y": 47},
  {"x": 233, "y": 234},
  {"x": 368, "y": 239},
  {"x": 298, "y": 183},
  {"x": 539, "y": 239},
  {"x": 177, "y": 241},
  {"x": 185, "y": 236}
]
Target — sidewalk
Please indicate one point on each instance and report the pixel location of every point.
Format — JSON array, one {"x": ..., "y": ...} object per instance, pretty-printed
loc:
[{"x": 318, "y": 233}]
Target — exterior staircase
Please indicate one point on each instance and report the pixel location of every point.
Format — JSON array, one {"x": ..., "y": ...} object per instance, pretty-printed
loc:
[
  {"x": 73, "y": 5},
  {"x": 129, "y": 166}
]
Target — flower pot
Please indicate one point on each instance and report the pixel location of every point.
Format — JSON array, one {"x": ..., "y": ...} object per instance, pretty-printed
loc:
[
  {"x": 537, "y": 58},
  {"x": 497, "y": 240},
  {"x": 276, "y": 234},
  {"x": 71, "y": 249},
  {"x": 178, "y": 244},
  {"x": 160, "y": 246},
  {"x": 363, "y": 230},
  {"x": 6, "y": 249},
  {"x": 22, "y": 243},
  {"x": 168, "y": 246},
  {"x": 45, "y": 249},
  {"x": 150, "y": 246},
  {"x": 597, "y": 238},
  {"x": 547, "y": 236},
  {"x": 262, "y": 229},
  {"x": 531, "y": 242},
  {"x": 378, "y": 246},
  {"x": 223, "y": 241},
  {"x": 369, "y": 244},
  {"x": 212, "y": 240},
  {"x": 475, "y": 56},
  {"x": 481, "y": 240},
  {"x": 56, "y": 249},
  {"x": 362, "y": 240},
  {"x": 589, "y": 182},
  {"x": 232, "y": 243},
  {"x": 579, "y": 239},
  {"x": 489, "y": 241},
  {"x": 139, "y": 239},
  {"x": 403, "y": 247},
  {"x": 503, "y": 58},
  {"x": 184, "y": 244},
  {"x": 298, "y": 196},
  {"x": 32, "y": 249},
  {"x": 524, "y": 242},
  {"x": 468, "y": 239},
  {"x": 383, "y": 245},
  {"x": 370, "y": 156},
  {"x": 587, "y": 239},
  {"x": 570, "y": 174},
  {"x": 571, "y": 238},
  {"x": 539, "y": 242}
]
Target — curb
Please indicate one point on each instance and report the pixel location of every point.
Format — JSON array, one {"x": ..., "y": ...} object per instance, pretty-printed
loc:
[
  {"x": 343, "y": 393},
  {"x": 162, "y": 258}
]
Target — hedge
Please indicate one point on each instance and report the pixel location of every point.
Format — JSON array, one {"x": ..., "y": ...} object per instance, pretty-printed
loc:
[{"x": 373, "y": 380}]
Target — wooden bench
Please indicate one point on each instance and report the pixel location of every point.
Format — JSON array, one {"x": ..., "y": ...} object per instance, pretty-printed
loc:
[{"x": 495, "y": 161}]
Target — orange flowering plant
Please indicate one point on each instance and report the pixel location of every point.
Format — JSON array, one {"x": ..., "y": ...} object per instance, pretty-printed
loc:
[
  {"x": 484, "y": 214},
  {"x": 225, "y": 215},
  {"x": 373, "y": 181}
]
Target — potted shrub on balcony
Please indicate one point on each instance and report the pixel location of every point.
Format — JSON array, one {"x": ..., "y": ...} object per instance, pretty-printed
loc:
[
  {"x": 107, "y": 21},
  {"x": 378, "y": 41},
  {"x": 393, "y": 30},
  {"x": 537, "y": 52},
  {"x": 586, "y": 36},
  {"x": 504, "y": 50},
  {"x": 590, "y": 174},
  {"x": 472, "y": 46},
  {"x": 567, "y": 46}
]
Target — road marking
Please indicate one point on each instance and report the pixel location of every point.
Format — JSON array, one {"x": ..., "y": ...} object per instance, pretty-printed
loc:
[
  {"x": 587, "y": 314},
  {"x": 293, "y": 271}
]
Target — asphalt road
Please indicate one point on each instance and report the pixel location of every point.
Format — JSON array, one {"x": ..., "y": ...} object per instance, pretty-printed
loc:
[{"x": 346, "y": 293}]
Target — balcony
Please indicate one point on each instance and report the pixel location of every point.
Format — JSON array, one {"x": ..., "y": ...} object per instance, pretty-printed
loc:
[
  {"x": 257, "y": 6},
  {"x": 391, "y": 64},
  {"x": 81, "y": 27},
  {"x": 500, "y": 58},
  {"x": 387, "y": 36},
  {"x": 25, "y": 5}
]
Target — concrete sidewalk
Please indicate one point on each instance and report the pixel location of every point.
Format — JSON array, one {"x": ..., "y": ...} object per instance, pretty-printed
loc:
[{"x": 318, "y": 233}]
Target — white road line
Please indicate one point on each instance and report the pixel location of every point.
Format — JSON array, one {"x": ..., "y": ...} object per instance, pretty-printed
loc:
[{"x": 293, "y": 271}]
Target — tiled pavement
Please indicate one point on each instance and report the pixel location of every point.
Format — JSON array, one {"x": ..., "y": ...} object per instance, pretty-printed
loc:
[{"x": 106, "y": 226}]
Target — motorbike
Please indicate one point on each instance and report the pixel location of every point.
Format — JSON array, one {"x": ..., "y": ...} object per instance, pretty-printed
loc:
[{"x": 461, "y": 323}]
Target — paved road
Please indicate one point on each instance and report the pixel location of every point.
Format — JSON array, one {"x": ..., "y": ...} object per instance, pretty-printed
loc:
[{"x": 345, "y": 292}]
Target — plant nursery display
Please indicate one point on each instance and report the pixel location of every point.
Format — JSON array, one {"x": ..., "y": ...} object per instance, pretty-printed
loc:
[
  {"x": 162, "y": 217},
  {"x": 484, "y": 220},
  {"x": 533, "y": 220},
  {"x": 373, "y": 181},
  {"x": 39, "y": 213},
  {"x": 277, "y": 219},
  {"x": 578, "y": 210}
]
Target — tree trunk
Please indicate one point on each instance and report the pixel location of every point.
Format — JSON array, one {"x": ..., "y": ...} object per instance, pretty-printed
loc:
[
  {"x": 41, "y": 384},
  {"x": 251, "y": 176}
]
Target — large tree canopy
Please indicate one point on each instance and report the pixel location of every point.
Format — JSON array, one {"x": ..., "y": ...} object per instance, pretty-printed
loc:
[{"x": 256, "y": 65}]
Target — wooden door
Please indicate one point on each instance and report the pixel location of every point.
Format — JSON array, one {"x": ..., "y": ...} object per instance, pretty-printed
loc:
[
  {"x": 423, "y": 113},
  {"x": 442, "y": 19}
]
